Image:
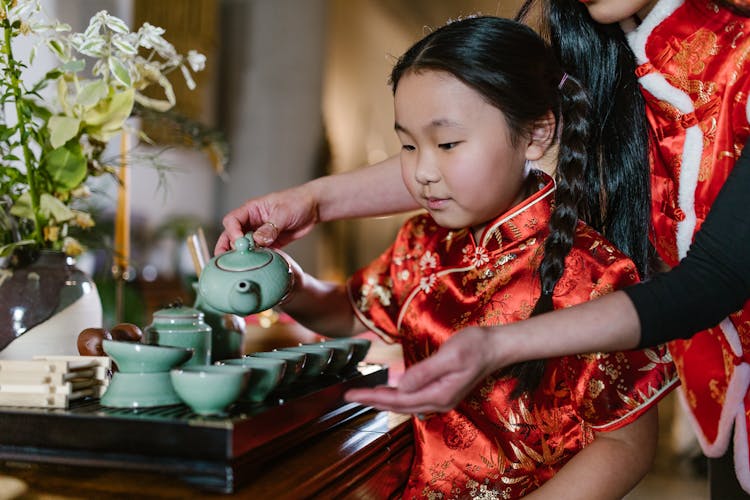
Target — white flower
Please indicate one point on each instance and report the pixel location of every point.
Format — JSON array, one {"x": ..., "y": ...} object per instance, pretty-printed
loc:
[
  {"x": 196, "y": 60},
  {"x": 477, "y": 258},
  {"x": 428, "y": 260},
  {"x": 427, "y": 283}
]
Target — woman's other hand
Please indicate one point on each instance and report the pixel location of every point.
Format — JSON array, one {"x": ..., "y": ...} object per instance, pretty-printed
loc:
[{"x": 438, "y": 383}]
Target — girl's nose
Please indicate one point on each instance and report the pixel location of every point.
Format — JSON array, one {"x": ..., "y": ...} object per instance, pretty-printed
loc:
[{"x": 426, "y": 172}]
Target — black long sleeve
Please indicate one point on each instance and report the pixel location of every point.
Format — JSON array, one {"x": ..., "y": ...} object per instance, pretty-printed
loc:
[{"x": 713, "y": 280}]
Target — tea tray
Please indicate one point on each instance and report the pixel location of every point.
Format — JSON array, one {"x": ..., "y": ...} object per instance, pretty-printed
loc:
[{"x": 215, "y": 453}]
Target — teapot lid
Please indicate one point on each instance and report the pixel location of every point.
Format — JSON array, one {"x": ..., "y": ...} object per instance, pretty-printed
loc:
[{"x": 245, "y": 256}]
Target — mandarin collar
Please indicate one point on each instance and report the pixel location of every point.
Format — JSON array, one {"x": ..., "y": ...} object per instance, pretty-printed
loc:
[{"x": 524, "y": 220}]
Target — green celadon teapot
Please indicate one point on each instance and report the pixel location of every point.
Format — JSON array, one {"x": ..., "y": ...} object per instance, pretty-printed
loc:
[{"x": 246, "y": 280}]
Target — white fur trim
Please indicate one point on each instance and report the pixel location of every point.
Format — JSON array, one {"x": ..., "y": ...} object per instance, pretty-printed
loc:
[
  {"x": 692, "y": 150},
  {"x": 662, "y": 90},
  {"x": 747, "y": 110},
  {"x": 637, "y": 38},
  {"x": 732, "y": 336},
  {"x": 741, "y": 458},
  {"x": 733, "y": 405}
]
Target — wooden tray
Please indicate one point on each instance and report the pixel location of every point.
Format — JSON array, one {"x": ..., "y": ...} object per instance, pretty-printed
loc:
[{"x": 215, "y": 453}]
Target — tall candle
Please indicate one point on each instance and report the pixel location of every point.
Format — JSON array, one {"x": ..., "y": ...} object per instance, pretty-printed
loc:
[{"x": 122, "y": 216}]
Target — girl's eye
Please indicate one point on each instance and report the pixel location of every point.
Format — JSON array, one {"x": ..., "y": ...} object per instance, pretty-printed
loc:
[
  {"x": 448, "y": 145},
  {"x": 407, "y": 147}
]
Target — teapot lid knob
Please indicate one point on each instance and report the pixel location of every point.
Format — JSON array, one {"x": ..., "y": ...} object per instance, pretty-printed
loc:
[{"x": 244, "y": 243}]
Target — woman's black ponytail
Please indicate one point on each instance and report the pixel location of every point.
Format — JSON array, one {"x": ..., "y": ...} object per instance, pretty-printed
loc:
[{"x": 617, "y": 199}]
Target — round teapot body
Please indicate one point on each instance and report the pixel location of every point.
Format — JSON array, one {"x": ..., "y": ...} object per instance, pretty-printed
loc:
[
  {"x": 181, "y": 327},
  {"x": 246, "y": 280}
]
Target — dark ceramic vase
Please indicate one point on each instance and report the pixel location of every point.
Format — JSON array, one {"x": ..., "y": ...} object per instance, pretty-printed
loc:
[{"x": 44, "y": 306}]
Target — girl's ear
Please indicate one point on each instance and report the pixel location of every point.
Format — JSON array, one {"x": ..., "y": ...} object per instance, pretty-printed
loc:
[{"x": 542, "y": 137}]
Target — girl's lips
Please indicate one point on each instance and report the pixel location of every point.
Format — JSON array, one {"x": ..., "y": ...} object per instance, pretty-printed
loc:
[{"x": 436, "y": 203}]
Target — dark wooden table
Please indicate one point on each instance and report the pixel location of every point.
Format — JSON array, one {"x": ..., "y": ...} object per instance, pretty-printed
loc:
[{"x": 365, "y": 457}]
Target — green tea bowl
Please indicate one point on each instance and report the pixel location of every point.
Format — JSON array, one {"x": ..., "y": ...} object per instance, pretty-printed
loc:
[
  {"x": 318, "y": 359},
  {"x": 295, "y": 363},
  {"x": 210, "y": 389},
  {"x": 341, "y": 355},
  {"x": 135, "y": 357},
  {"x": 265, "y": 377},
  {"x": 361, "y": 347}
]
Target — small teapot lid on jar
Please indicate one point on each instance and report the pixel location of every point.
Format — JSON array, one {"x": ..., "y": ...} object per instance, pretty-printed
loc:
[{"x": 177, "y": 315}]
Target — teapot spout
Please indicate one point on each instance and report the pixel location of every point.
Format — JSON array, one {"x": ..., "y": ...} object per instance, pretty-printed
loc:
[{"x": 244, "y": 297}]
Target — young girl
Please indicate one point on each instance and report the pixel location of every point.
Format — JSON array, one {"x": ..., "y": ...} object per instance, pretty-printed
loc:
[{"x": 475, "y": 101}]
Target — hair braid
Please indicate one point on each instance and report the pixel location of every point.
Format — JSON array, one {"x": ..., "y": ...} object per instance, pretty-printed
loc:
[{"x": 570, "y": 177}]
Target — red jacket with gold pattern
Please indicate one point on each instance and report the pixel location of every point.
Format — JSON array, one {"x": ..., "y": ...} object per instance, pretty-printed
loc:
[
  {"x": 695, "y": 76},
  {"x": 434, "y": 281}
]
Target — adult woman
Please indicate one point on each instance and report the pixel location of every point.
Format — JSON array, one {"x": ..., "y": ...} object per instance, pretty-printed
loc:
[{"x": 692, "y": 70}]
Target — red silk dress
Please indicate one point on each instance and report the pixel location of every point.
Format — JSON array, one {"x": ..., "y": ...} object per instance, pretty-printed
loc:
[
  {"x": 695, "y": 76},
  {"x": 434, "y": 281}
]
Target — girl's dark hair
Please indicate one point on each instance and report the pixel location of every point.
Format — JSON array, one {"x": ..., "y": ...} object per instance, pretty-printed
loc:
[
  {"x": 618, "y": 192},
  {"x": 517, "y": 72}
]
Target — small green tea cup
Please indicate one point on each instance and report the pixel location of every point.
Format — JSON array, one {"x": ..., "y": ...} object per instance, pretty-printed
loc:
[
  {"x": 295, "y": 362},
  {"x": 135, "y": 357},
  {"x": 342, "y": 353},
  {"x": 265, "y": 377},
  {"x": 210, "y": 389},
  {"x": 318, "y": 359}
]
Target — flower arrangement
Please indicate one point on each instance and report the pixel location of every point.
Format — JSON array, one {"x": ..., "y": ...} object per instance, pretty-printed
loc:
[{"x": 51, "y": 145}]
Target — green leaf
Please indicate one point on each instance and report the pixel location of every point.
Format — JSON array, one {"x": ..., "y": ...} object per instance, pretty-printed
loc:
[
  {"x": 6, "y": 250},
  {"x": 93, "y": 47},
  {"x": 117, "y": 25},
  {"x": 62, "y": 129},
  {"x": 73, "y": 66},
  {"x": 22, "y": 207},
  {"x": 53, "y": 208},
  {"x": 119, "y": 71},
  {"x": 106, "y": 118},
  {"x": 124, "y": 45},
  {"x": 66, "y": 167},
  {"x": 6, "y": 132},
  {"x": 92, "y": 93},
  {"x": 57, "y": 48}
]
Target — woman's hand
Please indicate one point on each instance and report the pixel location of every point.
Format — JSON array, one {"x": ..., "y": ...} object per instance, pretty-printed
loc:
[
  {"x": 276, "y": 218},
  {"x": 438, "y": 383}
]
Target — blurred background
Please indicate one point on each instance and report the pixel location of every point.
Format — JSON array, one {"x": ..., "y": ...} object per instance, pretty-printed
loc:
[{"x": 292, "y": 90}]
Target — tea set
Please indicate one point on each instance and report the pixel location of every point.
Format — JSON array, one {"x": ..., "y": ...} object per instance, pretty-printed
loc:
[{"x": 173, "y": 362}]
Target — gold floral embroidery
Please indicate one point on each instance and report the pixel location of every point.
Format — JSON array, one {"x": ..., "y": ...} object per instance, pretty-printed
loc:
[
  {"x": 717, "y": 391},
  {"x": 694, "y": 51},
  {"x": 595, "y": 388},
  {"x": 601, "y": 289}
]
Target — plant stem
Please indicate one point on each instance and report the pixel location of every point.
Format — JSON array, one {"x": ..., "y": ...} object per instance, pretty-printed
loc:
[{"x": 13, "y": 71}]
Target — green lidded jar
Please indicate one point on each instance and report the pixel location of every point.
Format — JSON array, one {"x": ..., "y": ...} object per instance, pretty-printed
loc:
[{"x": 181, "y": 326}]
